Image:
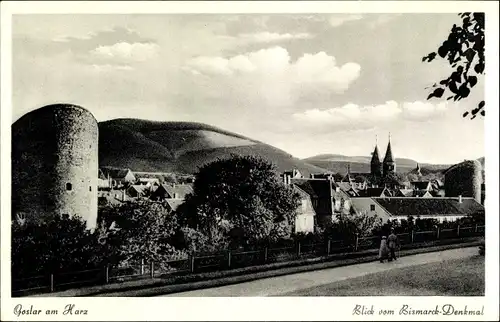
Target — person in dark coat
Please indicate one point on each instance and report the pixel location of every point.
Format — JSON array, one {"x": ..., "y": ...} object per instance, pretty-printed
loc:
[
  {"x": 383, "y": 252},
  {"x": 392, "y": 244}
]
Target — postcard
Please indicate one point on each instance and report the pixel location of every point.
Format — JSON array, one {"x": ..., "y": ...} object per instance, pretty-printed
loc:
[{"x": 249, "y": 161}]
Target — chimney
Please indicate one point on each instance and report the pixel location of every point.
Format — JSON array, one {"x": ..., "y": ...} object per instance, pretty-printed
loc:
[{"x": 460, "y": 199}]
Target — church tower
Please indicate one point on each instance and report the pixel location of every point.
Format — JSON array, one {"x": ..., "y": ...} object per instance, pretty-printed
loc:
[
  {"x": 375, "y": 163},
  {"x": 418, "y": 170},
  {"x": 389, "y": 165}
]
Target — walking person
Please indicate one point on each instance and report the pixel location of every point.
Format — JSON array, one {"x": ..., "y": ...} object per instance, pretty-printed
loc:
[
  {"x": 383, "y": 251},
  {"x": 392, "y": 243}
]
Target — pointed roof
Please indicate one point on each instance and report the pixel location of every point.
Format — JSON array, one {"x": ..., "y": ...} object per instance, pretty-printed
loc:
[
  {"x": 375, "y": 155},
  {"x": 388, "y": 154}
]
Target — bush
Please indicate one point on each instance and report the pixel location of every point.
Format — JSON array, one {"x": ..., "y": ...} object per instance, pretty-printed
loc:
[{"x": 58, "y": 245}]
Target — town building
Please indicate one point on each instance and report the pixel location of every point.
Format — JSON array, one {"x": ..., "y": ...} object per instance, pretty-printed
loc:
[
  {"x": 148, "y": 182},
  {"x": 400, "y": 208},
  {"x": 305, "y": 219},
  {"x": 119, "y": 177},
  {"x": 171, "y": 191}
]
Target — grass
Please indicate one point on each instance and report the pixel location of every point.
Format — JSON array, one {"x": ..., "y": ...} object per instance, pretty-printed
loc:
[
  {"x": 458, "y": 277},
  {"x": 173, "y": 284}
]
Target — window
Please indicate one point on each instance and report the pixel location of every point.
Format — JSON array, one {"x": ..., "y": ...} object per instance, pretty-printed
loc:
[
  {"x": 372, "y": 207},
  {"x": 69, "y": 186},
  {"x": 90, "y": 188}
]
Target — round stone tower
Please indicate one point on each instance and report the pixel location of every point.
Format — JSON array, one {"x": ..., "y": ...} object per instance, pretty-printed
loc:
[
  {"x": 55, "y": 164},
  {"x": 464, "y": 179}
]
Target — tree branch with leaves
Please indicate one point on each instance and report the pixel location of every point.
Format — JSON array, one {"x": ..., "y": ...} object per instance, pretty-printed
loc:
[{"x": 464, "y": 51}]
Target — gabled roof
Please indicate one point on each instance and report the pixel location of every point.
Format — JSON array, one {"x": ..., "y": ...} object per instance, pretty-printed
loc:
[
  {"x": 347, "y": 188},
  {"x": 319, "y": 189},
  {"x": 174, "y": 203},
  {"x": 421, "y": 185},
  {"x": 115, "y": 173},
  {"x": 292, "y": 173},
  {"x": 422, "y": 193},
  {"x": 138, "y": 188},
  {"x": 101, "y": 175},
  {"x": 180, "y": 189},
  {"x": 374, "y": 192},
  {"x": 404, "y": 193},
  {"x": 403, "y": 207}
]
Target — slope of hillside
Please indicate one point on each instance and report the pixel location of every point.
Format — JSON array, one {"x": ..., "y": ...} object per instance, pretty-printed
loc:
[
  {"x": 181, "y": 147},
  {"x": 338, "y": 163}
]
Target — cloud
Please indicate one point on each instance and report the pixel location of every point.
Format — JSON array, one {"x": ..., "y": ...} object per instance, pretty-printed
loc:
[
  {"x": 381, "y": 19},
  {"x": 267, "y": 37},
  {"x": 104, "y": 37},
  {"x": 338, "y": 20},
  {"x": 127, "y": 51},
  {"x": 110, "y": 67},
  {"x": 422, "y": 111},
  {"x": 357, "y": 117},
  {"x": 272, "y": 73}
]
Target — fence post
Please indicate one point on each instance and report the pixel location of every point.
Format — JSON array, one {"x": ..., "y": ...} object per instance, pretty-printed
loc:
[
  {"x": 142, "y": 266},
  {"x": 229, "y": 259},
  {"x": 106, "y": 273},
  {"x": 265, "y": 255},
  {"x": 356, "y": 242},
  {"x": 191, "y": 261},
  {"x": 458, "y": 230},
  {"x": 51, "y": 282},
  {"x": 437, "y": 236},
  {"x": 328, "y": 247},
  {"x": 152, "y": 269},
  {"x": 298, "y": 249},
  {"x": 412, "y": 235}
]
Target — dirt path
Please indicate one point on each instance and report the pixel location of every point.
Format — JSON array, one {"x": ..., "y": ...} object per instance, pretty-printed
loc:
[{"x": 289, "y": 283}]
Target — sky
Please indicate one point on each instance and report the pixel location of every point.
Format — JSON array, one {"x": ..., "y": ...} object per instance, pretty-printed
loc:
[{"x": 308, "y": 84}]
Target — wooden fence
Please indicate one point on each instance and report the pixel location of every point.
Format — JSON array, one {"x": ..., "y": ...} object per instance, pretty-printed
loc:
[{"x": 206, "y": 262}]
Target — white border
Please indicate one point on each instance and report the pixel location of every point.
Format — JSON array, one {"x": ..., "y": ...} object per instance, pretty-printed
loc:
[{"x": 253, "y": 309}]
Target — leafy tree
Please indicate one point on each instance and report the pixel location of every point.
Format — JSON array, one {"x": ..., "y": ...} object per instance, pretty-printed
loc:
[
  {"x": 59, "y": 244},
  {"x": 170, "y": 178},
  {"x": 348, "y": 225},
  {"x": 139, "y": 230},
  {"x": 240, "y": 200},
  {"x": 463, "y": 49},
  {"x": 338, "y": 177}
]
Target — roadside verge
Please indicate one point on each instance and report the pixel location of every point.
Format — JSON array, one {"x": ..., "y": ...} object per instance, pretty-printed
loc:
[{"x": 175, "y": 284}]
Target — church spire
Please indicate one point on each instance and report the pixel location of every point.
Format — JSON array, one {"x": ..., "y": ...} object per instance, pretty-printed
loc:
[
  {"x": 389, "y": 165},
  {"x": 376, "y": 165},
  {"x": 388, "y": 154}
]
